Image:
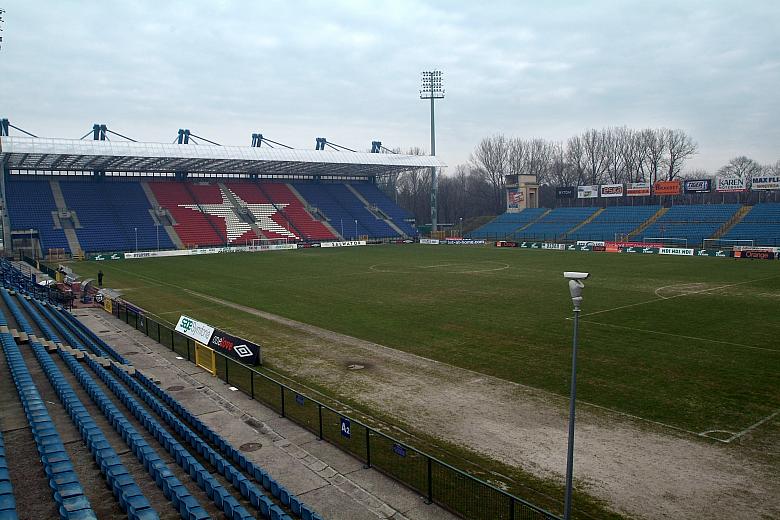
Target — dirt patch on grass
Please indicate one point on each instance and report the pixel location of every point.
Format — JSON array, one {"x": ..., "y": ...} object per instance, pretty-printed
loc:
[{"x": 641, "y": 469}]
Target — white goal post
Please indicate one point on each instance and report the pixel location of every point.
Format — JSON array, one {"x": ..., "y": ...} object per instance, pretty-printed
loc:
[
  {"x": 722, "y": 243},
  {"x": 262, "y": 243}
]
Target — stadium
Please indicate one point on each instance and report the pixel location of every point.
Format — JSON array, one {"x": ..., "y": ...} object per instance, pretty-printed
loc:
[{"x": 273, "y": 337}]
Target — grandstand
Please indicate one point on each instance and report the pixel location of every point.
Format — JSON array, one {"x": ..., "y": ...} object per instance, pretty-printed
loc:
[
  {"x": 614, "y": 222},
  {"x": 687, "y": 225},
  {"x": 554, "y": 225},
  {"x": 761, "y": 225},
  {"x": 141, "y": 196},
  {"x": 157, "y": 458},
  {"x": 691, "y": 224}
]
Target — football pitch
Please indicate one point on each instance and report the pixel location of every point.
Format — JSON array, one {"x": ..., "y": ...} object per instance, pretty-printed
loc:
[{"x": 690, "y": 343}]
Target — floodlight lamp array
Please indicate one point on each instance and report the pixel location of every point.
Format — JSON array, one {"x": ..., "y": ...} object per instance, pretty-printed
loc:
[{"x": 432, "y": 85}]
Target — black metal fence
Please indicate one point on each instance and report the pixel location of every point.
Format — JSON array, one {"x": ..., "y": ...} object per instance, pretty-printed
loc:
[{"x": 439, "y": 482}]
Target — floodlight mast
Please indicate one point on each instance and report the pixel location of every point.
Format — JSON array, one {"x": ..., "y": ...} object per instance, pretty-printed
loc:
[{"x": 433, "y": 88}]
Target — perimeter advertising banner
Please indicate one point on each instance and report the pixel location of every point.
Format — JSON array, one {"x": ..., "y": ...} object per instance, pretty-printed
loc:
[
  {"x": 221, "y": 341},
  {"x": 698, "y": 186},
  {"x": 766, "y": 182},
  {"x": 235, "y": 347},
  {"x": 611, "y": 190},
  {"x": 588, "y": 192},
  {"x": 667, "y": 188},
  {"x": 638, "y": 189},
  {"x": 566, "y": 192},
  {"x": 730, "y": 184},
  {"x": 194, "y": 329}
]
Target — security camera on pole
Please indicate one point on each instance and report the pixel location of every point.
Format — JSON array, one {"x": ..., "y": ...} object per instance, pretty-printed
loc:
[{"x": 575, "y": 289}]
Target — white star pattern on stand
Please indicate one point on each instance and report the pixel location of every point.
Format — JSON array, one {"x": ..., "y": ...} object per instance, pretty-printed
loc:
[{"x": 234, "y": 224}]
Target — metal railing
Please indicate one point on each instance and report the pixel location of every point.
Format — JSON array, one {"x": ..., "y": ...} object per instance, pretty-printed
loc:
[{"x": 439, "y": 482}]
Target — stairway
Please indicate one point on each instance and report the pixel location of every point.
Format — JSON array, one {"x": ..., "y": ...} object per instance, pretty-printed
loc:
[
  {"x": 70, "y": 232},
  {"x": 586, "y": 221},
  {"x": 540, "y": 217},
  {"x": 367, "y": 204},
  {"x": 168, "y": 228},
  {"x": 219, "y": 233},
  {"x": 306, "y": 205},
  {"x": 658, "y": 214},
  {"x": 230, "y": 196},
  {"x": 733, "y": 221}
]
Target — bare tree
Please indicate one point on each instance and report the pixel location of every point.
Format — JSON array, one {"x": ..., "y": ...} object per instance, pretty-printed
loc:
[
  {"x": 575, "y": 158},
  {"x": 655, "y": 147},
  {"x": 490, "y": 160},
  {"x": 596, "y": 162},
  {"x": 679, "y": 148},
  {"x": 742, "y": 167}
]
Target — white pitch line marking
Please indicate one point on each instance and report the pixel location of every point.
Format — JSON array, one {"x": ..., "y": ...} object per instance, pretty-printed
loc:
[
  {"x": 754, "y": 426},
  {"x": 707, "y": 340},
  {"x": 660, "y": 299}
]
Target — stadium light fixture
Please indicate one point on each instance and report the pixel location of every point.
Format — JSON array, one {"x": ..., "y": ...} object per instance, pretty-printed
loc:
[
  {"x": 136, "y": 239},
  {"x": 432, "y": 87},
  {"x": 575, "y": 290}
]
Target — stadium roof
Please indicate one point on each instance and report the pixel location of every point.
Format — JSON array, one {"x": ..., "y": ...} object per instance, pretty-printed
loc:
[{"x": 44, "y": 154}]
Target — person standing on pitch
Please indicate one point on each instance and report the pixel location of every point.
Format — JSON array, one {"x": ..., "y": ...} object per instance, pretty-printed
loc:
[{"x": 100, "y": 278}]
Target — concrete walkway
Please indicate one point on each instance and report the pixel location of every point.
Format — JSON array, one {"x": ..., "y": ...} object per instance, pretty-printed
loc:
[{"x": 335, "y": 484}]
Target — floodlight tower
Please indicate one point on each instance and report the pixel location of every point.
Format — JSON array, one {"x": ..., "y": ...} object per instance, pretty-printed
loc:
[{"x": 433, "y": 88}]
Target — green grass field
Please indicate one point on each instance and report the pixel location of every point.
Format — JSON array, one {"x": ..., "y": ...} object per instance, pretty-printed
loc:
[{"x": 688, "y": 342}]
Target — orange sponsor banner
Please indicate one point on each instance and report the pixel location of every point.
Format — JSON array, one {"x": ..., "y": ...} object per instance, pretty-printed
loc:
[{"x": 667, "y": 188}]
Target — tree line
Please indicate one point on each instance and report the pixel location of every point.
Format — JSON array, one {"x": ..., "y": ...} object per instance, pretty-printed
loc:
[{"x": 614, "y": 155}]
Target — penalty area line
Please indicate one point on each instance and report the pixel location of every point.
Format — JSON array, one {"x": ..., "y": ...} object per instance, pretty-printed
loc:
[
  {"x": 754, "y": 426},
  {"x": 661, "y": 298},
  {"x": 681, "y": 336}
]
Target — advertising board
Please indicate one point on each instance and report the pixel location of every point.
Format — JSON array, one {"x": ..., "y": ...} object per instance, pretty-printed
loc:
[
  {"x": 345, "y": 243},
  {"x": 194, "y": 329},
  {"x": 730, "y": 184},
  {"x": 235, "y": 347},
  {"x": 588, "y": 192},
  {"x": 565, "y": 192},
  {"x": 678, "y": 251},
  {"x": 506, "y": 243},
  {"x": 429, "y": 241},
  {"x": 667, "y": 188},
  {"x": 697, "y": 186},
  {"x": 766, "y": 182},
  {"x": 638, "y": 189},
  {"x": 611, "y": 190},
  {"x": 557, "y": 247}
]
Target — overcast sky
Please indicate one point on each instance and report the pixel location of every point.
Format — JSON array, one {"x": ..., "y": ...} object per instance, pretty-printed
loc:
[{"x": 350, "y": 71}]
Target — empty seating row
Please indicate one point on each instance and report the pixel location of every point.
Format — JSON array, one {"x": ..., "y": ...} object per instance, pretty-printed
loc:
[
  {"x": 7, "y": 499},
  {"x": 72, "y": 502},
  {"x": 256, "y": 497},
  {"x": 555, "y": 224},
  {"x": 398, "y": 215},
  {"x": 173, "y": 489},
  {"x": 761, "y": 225},
  {"x": 507, "y": 223},
  {"x": 309, "y": 227},
  {"x": 192, "y": 226},
  {"x": 114, "y": 216},
  {"x": 131, "y": 499},
  {"x": 692, "y": 223},
  {"x": 615, "y": 222},
  {"x": 228, "y": 450},
  {"x": 30, "y": 204}
]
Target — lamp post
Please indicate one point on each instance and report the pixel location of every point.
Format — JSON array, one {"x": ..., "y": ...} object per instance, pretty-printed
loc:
[
  {"x": 342, "y": 228},
  {"x": 433, "y": 88},
  {"x": 136, "y": 239},
  {"x": 575, "y": 288},
  {"x": 356, "y": 229},
  {"x": 157, "y": 232},
  {"x": 461, "y": 227}
]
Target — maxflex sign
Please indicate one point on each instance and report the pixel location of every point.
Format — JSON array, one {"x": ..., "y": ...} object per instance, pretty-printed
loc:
[{"x": 766, "y": 182}]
